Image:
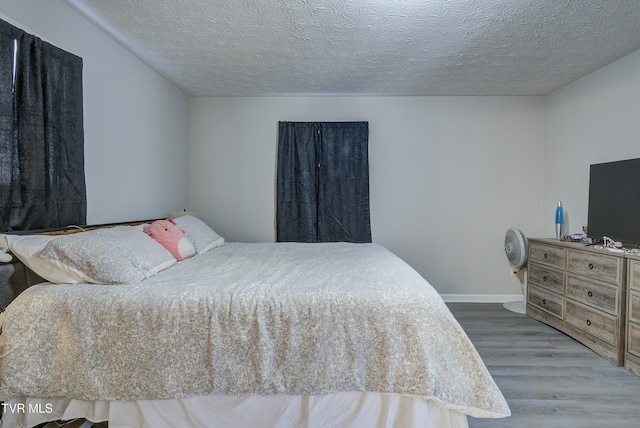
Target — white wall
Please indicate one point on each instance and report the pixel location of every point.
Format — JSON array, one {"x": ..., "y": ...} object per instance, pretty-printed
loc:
[
  {"x": 448, "y": 176},
  {"x": 594, "y": 119},
  {"x": 135, "y": 121}
]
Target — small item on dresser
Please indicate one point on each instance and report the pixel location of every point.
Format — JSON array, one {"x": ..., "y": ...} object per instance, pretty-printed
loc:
[
  {"x": 613, "y": 246},
  {"x": 172, "y": 238},
  {"x": 587, "y": 240},
  {"x": 559, "y": 220},
  {"x": 576, "y": 237}
]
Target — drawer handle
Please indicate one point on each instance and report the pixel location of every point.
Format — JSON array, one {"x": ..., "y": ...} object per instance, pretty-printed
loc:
[
  {"x": 590, "y": 265},
  {"x": 545, "y": 255},
  {"x": 590, "y": 294},
  {"x": 544, "y": 301},
  {"x": 588, "y": 322}
]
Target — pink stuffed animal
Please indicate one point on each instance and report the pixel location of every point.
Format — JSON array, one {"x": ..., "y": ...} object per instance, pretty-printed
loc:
[{"x": 171, "y": 237}]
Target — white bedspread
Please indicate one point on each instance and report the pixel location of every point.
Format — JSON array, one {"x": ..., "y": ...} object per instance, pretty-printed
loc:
[{"x": 248, "y": 319}]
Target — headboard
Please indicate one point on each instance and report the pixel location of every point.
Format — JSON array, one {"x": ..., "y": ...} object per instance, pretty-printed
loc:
[{"x": 15, "y": 277}]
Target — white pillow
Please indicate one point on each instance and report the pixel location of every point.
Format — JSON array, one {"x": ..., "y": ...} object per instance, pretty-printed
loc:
[
  {"x": 27, "y": 248},
  {"x": 203, "y": 237},
  {"x": 117, "y": 255}
]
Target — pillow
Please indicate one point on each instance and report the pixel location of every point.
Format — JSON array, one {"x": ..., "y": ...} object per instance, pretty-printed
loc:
[
  {"x": 27, "y": 248},
  {"x": 202, "y": 236},
  {"x": 117, "y": 255}
]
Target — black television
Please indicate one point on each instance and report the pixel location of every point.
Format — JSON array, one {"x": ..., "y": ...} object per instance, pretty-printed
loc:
[{"x": 614, "y": 201}]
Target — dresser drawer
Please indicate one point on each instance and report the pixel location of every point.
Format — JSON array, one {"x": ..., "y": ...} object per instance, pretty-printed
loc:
[
  {"x": 634, "y": 306},
  {"x": 634, "y": 274},
  {"x": 546, "y": 254},
  {"x": 596, "y": 323},
  {"x": 601, "y": 296},
  {"x": 546, "y": 300},
  {"x": 596, "y": 266},
  {"x": 547, "y": 277},
  {"x": 633, "y": 340}
]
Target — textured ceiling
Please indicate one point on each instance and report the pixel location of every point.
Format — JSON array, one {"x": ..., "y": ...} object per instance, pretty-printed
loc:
[{"x": 370, "y": 47}]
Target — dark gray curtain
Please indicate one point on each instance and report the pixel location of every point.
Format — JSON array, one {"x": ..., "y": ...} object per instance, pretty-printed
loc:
[
  {"x": 323, "y": 182},
  {"x": 42, "y": 182}
]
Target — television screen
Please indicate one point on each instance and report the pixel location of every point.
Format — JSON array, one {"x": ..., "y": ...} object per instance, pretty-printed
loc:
[{"x": 614, "y": 201}]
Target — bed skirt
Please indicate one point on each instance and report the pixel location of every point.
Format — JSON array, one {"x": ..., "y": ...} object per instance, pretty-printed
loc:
[{"x": 342, "y": 409}]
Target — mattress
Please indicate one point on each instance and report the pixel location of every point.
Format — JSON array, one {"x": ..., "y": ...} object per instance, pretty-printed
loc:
[{"x": 248, "y": 320}]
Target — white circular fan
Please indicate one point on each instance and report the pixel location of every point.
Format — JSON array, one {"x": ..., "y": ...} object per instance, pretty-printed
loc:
[{"x": 515, "y": 247}]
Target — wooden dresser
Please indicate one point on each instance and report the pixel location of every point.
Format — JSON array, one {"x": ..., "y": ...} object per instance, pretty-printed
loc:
[
  {"x": 581, "y": 291},
  {"x": 632, "y": 351}
]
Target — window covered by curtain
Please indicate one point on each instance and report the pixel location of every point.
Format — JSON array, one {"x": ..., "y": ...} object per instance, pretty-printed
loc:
[
  {"x": 323, "y": 182},
  {"x": 42, "y": 182}
]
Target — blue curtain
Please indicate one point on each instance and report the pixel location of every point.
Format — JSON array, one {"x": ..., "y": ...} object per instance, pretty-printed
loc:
[
  {"x": 42, "y": 183},
  {"x": 323, "y": 182}
]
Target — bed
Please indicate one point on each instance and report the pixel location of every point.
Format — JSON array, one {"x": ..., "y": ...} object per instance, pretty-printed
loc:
[{"x": 262, "y": 334}]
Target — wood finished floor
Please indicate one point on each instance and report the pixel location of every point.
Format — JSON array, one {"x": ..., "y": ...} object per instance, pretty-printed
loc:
[{"x": 548, "y": 379}]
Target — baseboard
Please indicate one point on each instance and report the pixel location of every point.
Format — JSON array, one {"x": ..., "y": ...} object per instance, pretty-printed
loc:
[{"x": 482, "y": 298}]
